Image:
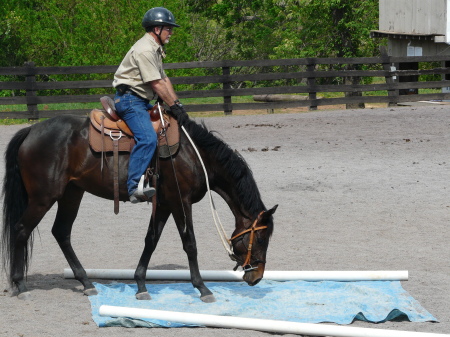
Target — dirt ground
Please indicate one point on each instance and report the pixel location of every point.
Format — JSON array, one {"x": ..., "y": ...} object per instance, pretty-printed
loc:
[{"x": 357, "y": 190}]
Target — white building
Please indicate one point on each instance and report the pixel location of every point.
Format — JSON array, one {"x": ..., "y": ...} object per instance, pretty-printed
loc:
[{"x": 415, "y": 28}]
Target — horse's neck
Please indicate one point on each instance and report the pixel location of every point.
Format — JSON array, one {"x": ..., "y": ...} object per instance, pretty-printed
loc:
[
  {"x": 227, "y": 189},
  {"x": 235, "y": 207},
  {"x": 242, "y": 196}
]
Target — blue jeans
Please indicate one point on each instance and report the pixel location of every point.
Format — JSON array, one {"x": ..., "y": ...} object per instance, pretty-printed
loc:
[{"x": 133, "y": 110}]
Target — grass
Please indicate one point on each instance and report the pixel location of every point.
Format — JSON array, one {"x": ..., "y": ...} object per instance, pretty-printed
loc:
[{"x": 11, "y": 121}]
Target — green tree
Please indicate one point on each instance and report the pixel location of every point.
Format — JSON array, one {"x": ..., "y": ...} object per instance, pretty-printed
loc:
[
  {"x": 294, "y": 28},
  {"x": 80, "y": 32},
  {"x": 338, "y": 28},
  {"x": 83, "y": 32},
  {"x": 76, "y": 32},
  {"x": 330, "y": 28},
  {"x": 247, "y": 25}
]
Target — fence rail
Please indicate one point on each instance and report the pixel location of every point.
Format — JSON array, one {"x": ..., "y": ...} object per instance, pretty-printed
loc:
[{"x": 312, "y": 77}]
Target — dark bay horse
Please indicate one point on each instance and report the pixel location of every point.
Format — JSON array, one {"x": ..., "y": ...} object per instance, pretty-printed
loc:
[{"x": 52, "y": 161}]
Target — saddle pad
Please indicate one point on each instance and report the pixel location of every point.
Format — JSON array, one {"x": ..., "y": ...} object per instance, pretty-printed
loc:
[{"x": 173, "y": 136}]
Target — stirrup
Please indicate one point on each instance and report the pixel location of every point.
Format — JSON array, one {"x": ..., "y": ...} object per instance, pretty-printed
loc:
[{"x": 143, "y": 192}]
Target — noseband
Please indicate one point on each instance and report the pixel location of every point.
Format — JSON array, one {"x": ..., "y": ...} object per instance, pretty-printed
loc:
[{"x": 246, "y": 266}]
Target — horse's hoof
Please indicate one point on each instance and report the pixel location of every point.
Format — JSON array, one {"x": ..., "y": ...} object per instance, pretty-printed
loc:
[
  {"x": 208, "y": 298},
  {"x": 25, "y": 296},
  {"x": 90, "y": 292},
  {"x": 143, "y": 296}
]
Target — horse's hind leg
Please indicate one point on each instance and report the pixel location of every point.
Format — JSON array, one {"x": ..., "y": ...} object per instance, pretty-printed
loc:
[
  {"x": 31, "y": 217},
  {"x": 68, "y": 207}
]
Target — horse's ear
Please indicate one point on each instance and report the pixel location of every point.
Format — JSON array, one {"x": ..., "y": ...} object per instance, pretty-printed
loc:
[
  {"x": 270, "y": 212},
  {"x": 273, "y": 209}
]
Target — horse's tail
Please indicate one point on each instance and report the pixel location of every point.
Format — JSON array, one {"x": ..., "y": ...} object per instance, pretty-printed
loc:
[{"x": 15, "y": 200}]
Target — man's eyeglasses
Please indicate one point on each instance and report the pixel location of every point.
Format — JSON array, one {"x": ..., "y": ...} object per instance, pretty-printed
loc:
[{"x": 169, "y": 29}]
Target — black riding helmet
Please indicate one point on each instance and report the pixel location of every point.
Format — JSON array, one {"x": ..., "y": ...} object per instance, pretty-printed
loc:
[{"x": 158, "y": 16}]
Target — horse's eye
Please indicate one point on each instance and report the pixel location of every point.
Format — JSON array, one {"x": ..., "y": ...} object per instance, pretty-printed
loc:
[{"x": 261, "y": 241}]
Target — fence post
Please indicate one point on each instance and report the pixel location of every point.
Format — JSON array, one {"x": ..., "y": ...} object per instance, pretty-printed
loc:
[
  {"x": 353, "y": 80},
  {"x": 445, "y": 77},
  {"x": 30, "y": 79},
  {"x": 227, "y": 99},
  {"x": 386, "y": 62},
  {"x": 311, "y": 81}
]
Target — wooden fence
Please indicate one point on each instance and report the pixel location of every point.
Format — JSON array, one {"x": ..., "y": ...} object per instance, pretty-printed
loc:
[{"x": 311, "y": 76}]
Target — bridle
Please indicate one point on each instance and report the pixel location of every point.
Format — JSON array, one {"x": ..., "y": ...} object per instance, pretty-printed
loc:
[{"x": 246, "y": 266}]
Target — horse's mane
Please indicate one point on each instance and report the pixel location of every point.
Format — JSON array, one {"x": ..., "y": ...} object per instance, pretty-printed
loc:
[{"x": 232, "y": 162}]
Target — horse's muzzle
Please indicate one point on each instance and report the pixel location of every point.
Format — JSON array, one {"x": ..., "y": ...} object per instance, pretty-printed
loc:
[{"x": 253, "y": 275}]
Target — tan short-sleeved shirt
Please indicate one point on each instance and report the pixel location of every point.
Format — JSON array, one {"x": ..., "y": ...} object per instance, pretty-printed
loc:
[{"x": 141, "y": 65}]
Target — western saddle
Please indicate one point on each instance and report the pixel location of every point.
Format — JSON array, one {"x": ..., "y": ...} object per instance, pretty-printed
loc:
[{"x": 109, "y": 133}]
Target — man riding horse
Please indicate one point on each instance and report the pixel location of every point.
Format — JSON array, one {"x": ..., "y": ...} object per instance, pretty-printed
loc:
[
  {"x": 53, "y": 162},
  {"x": 139, "y": 78}
]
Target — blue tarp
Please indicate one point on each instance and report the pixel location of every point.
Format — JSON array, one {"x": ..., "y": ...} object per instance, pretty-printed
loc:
[{"x": 296, "y": 301}]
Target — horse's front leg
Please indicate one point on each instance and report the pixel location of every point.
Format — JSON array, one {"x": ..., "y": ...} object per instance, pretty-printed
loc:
[
  {"x": 154, "y": 231},
  {"x": 186, "y": 230}
]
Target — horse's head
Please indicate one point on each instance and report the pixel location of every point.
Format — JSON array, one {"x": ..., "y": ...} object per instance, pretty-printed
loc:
[{"x": 250, "y": 246}]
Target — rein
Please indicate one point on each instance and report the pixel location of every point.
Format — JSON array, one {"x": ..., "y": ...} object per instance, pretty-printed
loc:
[
  {"x": 222, "y": 234},
  {"x": 246, "y": 266}
]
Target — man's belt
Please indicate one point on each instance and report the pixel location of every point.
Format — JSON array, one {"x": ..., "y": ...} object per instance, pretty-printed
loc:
[{"x": 123, "y": 88}]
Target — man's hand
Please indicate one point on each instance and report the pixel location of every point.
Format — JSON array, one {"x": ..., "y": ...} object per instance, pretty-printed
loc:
[{"x": 179, "y": 113}]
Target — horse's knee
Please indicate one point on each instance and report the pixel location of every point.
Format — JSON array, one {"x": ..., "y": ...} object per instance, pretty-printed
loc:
[
  {"x": 59, "y": 235},
  {"x": 190, "y": 249}
]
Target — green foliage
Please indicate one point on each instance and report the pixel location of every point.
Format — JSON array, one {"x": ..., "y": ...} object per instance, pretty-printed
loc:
[
  {"x": 249, "y": 25},
  {"x": 332, "y": 28},
  {"x": 82, "y": 32},
  {"x": 73, "y": 32}
]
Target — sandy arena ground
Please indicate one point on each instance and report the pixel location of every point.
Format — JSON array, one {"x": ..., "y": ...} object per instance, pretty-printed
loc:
[{"x": 357, "y": 190}]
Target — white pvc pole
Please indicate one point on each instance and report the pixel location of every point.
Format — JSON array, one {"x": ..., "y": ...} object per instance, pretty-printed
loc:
[
  {"x": 283, "y": 327},
  {"x": 229, "y": 275}
]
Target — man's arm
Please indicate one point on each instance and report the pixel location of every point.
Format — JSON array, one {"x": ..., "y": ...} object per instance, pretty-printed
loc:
[{"x": 164, "y": 89}]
